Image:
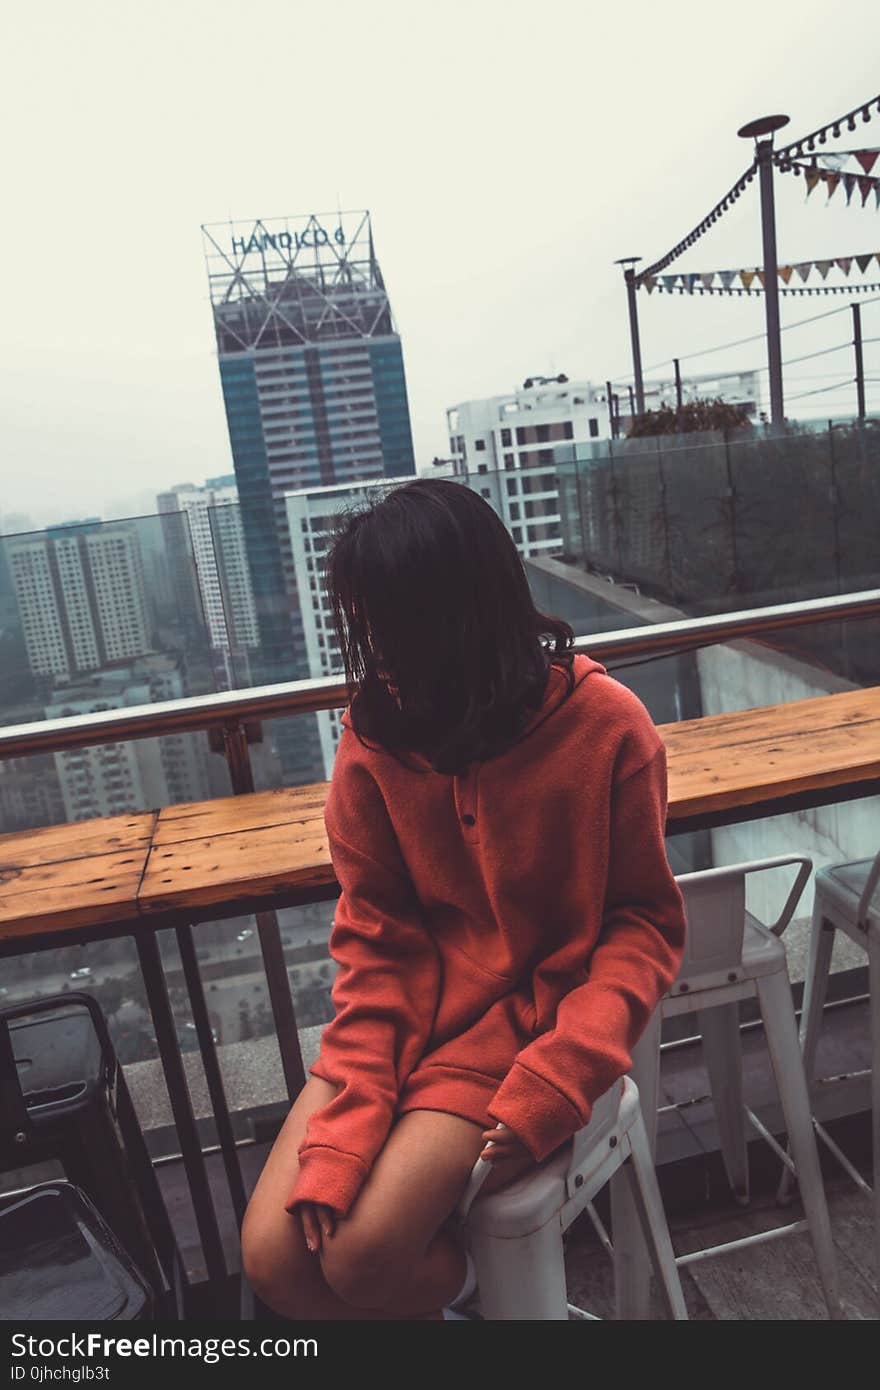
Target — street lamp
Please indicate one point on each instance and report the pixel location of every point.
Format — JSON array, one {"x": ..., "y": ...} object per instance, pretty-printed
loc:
[
  {"x": 766, "y": 126},
  {"x": 629, "y": 275}
]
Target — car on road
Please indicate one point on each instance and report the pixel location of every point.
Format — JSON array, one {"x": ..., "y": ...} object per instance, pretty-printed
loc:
[
  {"x": 83, "y": 973},
  {"x": 245, "y": 935}
]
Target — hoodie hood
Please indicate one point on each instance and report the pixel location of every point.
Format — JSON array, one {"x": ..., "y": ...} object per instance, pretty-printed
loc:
[{"x": 555, "y": 694}]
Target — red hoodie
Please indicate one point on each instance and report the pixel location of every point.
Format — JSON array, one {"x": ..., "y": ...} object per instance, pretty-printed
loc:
[{"x": 502, "y": 936}]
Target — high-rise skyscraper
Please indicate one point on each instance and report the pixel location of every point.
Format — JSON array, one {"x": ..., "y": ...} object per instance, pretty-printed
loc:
[
  {"x": 314, "y": 386},
  {"x": 224, "y": 579},
  {"x": 81, "y": 598}
]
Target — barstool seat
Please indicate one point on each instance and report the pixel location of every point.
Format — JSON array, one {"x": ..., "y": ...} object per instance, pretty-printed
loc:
[{"x": 516, "y": 1234}]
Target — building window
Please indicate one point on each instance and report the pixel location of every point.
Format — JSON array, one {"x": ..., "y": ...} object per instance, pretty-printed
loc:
[
  {"x": 480, "y": 446},
  {"x": 485, "y": 492},
  {"x": 594, "y": 429},
  {"x": 505, "y": 439},
  {"x": 509, "y": 460},
  {"x": 482, "y": 468},
  {"x": 514, "y": 511},
  {"x": 568, "y": 430},
  {"x": 517, "y": 533}
]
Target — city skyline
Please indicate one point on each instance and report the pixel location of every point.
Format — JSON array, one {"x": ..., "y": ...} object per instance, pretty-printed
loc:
[{"x": 497, "y": 242}]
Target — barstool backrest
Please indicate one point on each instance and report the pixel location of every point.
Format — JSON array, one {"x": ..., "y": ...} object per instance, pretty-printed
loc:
[{"x": 715, "y": 908}]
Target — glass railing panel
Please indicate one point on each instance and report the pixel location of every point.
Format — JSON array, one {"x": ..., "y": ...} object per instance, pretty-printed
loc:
[{"x": 97, "y": 616}]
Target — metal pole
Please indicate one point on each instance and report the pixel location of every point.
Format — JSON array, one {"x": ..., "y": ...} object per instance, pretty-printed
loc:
[
  {"x": 678, "y": 395},
  {"x": 771, "y": 279},
  {"x": 609, "y": 396},
  {"x": 629, "y": 276},
  {"x": 632, "y": 405},
  {"x": 860, "y": 362}
]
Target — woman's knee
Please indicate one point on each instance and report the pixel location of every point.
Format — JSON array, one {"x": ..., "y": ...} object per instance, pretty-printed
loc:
[
  {"x": 273, "y": 1254},
  {"x": 366, "y": 1268}
]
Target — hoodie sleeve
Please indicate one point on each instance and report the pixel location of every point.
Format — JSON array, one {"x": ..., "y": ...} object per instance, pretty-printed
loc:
[
  {"x": 385, "y": 991},
  {"x": 549, "y": 1092}
]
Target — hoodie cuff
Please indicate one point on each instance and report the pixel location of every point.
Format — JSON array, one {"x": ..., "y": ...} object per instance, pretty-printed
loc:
[
  {"x": 329, "y": 1176},
  {"x": 540, "y": 1116}
]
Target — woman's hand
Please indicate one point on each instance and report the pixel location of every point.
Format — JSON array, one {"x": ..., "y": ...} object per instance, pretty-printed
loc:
[
  {"x": 508, "y": 1155},
  {"x": 316, "y": 1220}
]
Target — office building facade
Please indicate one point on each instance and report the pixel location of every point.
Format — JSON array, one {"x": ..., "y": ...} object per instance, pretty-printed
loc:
[
  {"x": 80, "y": 596},
  {"x": 214, "y": 519},
  {"x": 513, "y": 440},
  {"x": 314, "y": 387}
]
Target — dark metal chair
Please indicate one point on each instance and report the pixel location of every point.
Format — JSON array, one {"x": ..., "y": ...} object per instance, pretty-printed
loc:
[
  {"x": 63, "y": 1096},
  {"x": 60, "y": 1261}
]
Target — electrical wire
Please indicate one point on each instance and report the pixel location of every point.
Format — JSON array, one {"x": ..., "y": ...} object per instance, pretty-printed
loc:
[
  {"x": 821, "y": 390},
  {"x": 755, "y": 337}
]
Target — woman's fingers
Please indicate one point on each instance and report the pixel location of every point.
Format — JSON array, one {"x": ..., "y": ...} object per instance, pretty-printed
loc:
[
  {"x": 311, "y": 1229},
  {"x": 327, "y": 1218},
  {"x": 498, "y": 1143}
]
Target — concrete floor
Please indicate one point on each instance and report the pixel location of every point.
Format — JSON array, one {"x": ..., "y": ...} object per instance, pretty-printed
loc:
[{"x": 773, "y": 1281}]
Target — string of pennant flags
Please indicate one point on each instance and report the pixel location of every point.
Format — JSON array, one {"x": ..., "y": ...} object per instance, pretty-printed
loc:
[
  {"x": 788, "y": 290},
  {"x": 743, "y": 281},
  {"x": 822, "y": 168},
  {"x": 832, "y": 179}
]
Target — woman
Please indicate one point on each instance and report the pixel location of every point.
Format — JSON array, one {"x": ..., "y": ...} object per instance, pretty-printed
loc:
[{"x": 507, "y": 923}]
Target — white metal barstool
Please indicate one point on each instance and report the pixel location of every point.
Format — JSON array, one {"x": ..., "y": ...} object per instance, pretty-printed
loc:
[
  {"x": 730, "y": 955},
  {"x": 845, "y": 902},
  {"x": 515, "y": 1234}
]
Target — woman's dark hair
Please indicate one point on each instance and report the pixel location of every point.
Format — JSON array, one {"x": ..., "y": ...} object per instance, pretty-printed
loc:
[{"x": 430, "y": 598}]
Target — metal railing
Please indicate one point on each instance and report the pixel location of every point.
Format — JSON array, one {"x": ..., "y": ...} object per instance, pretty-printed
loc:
[
  {"x": 237, "y": 707},
  {"x": 233, "y": 714}
]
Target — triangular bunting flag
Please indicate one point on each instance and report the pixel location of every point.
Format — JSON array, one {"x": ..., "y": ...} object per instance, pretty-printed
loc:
[
  {"x": 761, "y": 276},
  {"x": 689, "y": 282},
  {"x": 831, "y": 182},
  {"x": 844, "y": 263},
  {"x": 863, "y": 262},
  {"x": 727, "y": 277},
  {"x": 669, "y": 282},
  {"x": 867, "y": 158},
  {"x": 812, "y": 176},
  {"x": 707, "y": 280},
  {"x": 785, "y": 273},
  {"x": 833, "y": 161},
  {"x": 747, "y": 276},
  {"x": 849, "y": 184},
  {"x": 823, "y": 268},
  {"x": 649, "y": 282},
  {"x": 877, "y": 193},
  {"x": 865, "y": 186},
  {"x": 803, "y": 270}
]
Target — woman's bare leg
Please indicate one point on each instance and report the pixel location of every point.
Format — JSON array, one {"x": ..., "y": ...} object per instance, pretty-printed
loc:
[
  {"x": 278, "y": 1265},
  {"x": 394, "y": 1255}
]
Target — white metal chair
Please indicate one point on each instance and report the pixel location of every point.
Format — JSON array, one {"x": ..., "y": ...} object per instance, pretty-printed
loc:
[
  {"x": 846, "y": 900},
  {"x": 730, "y": 955},
  {"x": 516, "y": 1234}
]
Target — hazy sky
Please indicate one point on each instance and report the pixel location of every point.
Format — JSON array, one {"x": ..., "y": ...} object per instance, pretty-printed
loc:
[{"x": 508, "y": 152}]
